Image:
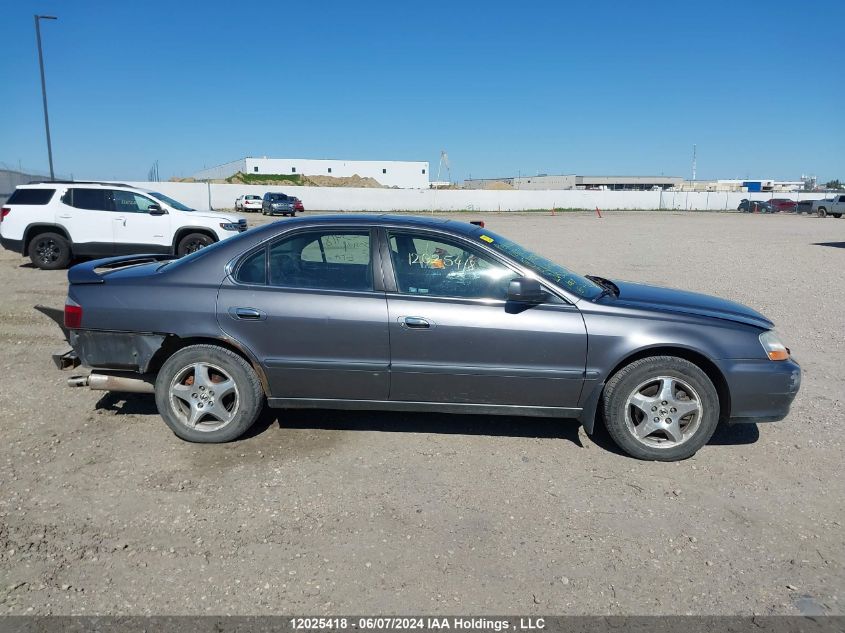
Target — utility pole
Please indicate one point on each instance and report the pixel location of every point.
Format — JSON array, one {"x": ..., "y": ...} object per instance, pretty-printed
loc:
[
  {"x": 694, "y": 148},
  {"x": 44, "y": 87}
]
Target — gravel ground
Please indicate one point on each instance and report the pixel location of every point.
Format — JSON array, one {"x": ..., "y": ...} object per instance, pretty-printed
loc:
[{"x": 104, "y": 511}]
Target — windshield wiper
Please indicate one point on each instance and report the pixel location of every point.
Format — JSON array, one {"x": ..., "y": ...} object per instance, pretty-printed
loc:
[{"x": 607, "y": 286}]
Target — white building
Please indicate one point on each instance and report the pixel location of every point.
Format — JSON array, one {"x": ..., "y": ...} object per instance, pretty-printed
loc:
[{"x": 390, "y": 173}]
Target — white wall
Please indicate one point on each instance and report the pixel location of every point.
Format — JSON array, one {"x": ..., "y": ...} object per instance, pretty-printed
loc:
[{"x": 353, "y": 199}]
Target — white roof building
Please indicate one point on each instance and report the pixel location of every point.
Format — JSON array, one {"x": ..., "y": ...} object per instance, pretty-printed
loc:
[{"x": 390, "y": 173}]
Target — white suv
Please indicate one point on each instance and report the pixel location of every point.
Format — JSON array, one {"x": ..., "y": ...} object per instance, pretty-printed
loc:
[{"x": 53, "y": 222}]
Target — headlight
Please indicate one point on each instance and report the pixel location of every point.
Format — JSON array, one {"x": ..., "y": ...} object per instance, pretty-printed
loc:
[
  {"x": 230, "y": 226},
  {"x": 773, "y": 346}
]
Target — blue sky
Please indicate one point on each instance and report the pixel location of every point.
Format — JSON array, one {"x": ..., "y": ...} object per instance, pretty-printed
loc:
[{"x": 588, "y": 87}]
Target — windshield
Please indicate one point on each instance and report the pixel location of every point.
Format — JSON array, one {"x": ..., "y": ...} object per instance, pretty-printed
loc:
[
  {"x": 545, "y": 268},
  {"x": 170, "y": 201}
]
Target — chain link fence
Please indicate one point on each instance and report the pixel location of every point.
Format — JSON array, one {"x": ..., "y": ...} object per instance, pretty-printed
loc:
[{"x": 11, "y": 178}]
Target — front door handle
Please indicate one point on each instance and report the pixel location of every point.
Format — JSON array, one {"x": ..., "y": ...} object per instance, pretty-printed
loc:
[
  {"x": 416, "y": 323},
  {"x": 247, "y": 314}
]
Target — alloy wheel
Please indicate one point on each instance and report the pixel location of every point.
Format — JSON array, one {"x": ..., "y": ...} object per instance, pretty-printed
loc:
[
  {"x": 663, "y": 412},
  {"x": 204, "y": 397}
]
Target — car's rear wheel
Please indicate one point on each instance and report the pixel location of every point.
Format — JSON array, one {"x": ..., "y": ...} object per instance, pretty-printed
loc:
[
  {"x": 207, "y": 393},
  {"x": 193, "y": 242},
  {"x": 49, "y": 251},
  {"x": 661, "y": 408},
  {"x": 822, "y": 212}
]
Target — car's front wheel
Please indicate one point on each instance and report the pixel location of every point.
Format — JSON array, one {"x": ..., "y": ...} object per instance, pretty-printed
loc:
[
  {"x": 49, "y": 251},
  {"x": 207, "y": 393},
  {"x": 661, "y": 408},
  {"x": 193, "y": 242}
]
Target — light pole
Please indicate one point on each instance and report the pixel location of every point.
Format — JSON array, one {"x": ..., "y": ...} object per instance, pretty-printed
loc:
[{"x": 44, "y": 87}]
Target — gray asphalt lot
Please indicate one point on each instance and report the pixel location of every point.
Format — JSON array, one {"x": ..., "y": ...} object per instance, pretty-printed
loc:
[{"x": 104, "y": 511}]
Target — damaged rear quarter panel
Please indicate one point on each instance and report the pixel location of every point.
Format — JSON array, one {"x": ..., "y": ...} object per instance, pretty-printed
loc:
[
  {"x": 126, "y": 320},
  {"x": 115, "y": 350}
]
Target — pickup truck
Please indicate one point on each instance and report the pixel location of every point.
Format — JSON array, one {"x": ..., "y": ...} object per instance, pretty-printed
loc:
[{"x": 834, "y": 206}]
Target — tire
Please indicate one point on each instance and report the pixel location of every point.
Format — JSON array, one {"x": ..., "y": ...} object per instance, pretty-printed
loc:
[
  {"x": 822, "y": 212},
  {"x": 639, "y": 385},
  {"x": 49, "y": 251},
  {"x": 836, "y": 215},
  {"x": 188, "y": 404},
  {"x": 193, "y": 242}
]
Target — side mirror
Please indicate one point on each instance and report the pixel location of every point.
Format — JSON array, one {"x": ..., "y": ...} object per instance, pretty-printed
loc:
[
  {"x": 525, "y": 290},
  {"x": 155, "y": 209}
]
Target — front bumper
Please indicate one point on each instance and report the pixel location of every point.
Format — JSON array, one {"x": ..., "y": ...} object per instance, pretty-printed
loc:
[{"x": 761, "y": 390}]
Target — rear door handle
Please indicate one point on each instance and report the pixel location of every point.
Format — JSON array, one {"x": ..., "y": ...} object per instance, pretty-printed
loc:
[
  {"x": 416, "y": 323},
  {"x": 247, "y": 314}
]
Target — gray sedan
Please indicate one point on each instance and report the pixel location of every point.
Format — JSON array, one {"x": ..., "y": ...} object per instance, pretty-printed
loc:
[{"x": 414, "y": 314}]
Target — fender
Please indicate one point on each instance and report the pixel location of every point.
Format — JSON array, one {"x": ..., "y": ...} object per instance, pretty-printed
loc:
[
  {"x": 182, "y": 231},
  {"x": 27, "y": 233}
]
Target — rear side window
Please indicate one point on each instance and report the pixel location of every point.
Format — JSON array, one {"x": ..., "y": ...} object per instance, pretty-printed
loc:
[
  {"x": 332, "y": 260},
  {"x": 31, "y": 196},
  {"x": 253, "y": 270},
  {"x": 93, "y": 199}
]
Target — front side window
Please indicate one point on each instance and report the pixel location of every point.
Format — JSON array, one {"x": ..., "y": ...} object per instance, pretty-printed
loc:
[
  {"x": 130, "y": 202},
  {"x": 427, "y": 265},
  {"x": 91, "y": 199},
  {"x": 327, "y": 259}
]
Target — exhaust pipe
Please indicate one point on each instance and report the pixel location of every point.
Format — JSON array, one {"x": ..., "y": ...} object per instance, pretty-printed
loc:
[{"x": 115, "y": 381}]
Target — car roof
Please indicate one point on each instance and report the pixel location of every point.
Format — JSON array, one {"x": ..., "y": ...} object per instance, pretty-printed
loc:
[
  {"x": 41, "y": 184},
  {"x": 385, "y": 219}
]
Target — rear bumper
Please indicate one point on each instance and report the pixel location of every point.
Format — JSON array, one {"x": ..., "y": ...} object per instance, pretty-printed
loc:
[
  {"x": 12, "y": 245},
  {"x": 761, "y": 390}
]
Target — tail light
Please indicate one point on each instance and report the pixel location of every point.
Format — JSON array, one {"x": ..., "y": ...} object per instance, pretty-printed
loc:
[
  {"x": 477, "y": 223},
  {"x": 4, "y": 212},
  {"x": 73, "y": 314}
]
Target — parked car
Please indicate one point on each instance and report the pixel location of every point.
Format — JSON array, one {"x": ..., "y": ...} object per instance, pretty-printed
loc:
[
  {"x": 418, "y": 314},
  {"x": 783, "y": 205},
  {"x": 834, "y": 206},
  {"x": 274, "y": 203},
  {"x": 55, "y": 221},
  {"x": 248, "y": 203},
  {"x": 298, "y": 206},
  {"x": 754, "y": 206},
  {"x": 804, "y": 206}
]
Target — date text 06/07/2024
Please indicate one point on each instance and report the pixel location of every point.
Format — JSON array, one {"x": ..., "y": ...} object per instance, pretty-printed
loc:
[{"x": 417, "y": 623}]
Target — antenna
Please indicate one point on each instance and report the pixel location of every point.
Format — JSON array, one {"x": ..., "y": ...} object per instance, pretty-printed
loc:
[{"x": 694, "y": 148}]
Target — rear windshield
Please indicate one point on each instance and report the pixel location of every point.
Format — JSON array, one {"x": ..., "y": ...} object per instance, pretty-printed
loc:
[
  {"x": 252, "y": 197},
  {"x": 31, "y": 196}
]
